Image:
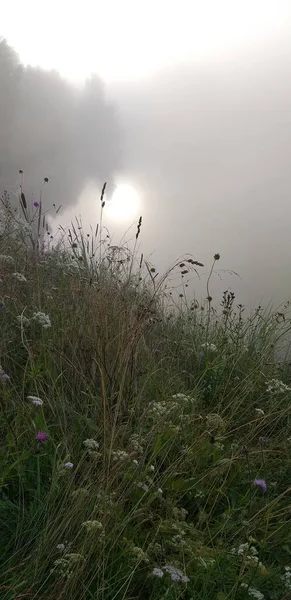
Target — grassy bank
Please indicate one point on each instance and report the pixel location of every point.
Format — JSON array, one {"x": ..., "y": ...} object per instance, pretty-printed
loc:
[{"x": 145, "y": 438}]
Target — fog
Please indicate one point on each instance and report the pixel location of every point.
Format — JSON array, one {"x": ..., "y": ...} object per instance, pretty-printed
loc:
[{"x": 206, "y": 145}]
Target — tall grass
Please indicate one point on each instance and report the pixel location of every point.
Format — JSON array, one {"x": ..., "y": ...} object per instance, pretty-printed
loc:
[{"x": 160, "y": 414}]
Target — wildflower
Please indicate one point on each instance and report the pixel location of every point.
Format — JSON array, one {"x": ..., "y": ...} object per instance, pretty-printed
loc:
[
  {"x": 66, "y": 566},
  {"x": 35, "y": 400},
  {"x": 41, "y": 436},
  {"x": 136, "y": 443},
  {"x": 215, "y": 423},
  {"x": 2, "y": 305},
  {"x": 143, "y": 486},
  {"x": 68, "y": 465},
  {"x": 19, "y": 277},
  {"x": 259, "y": 412},
  {"x": 36, "y": 204},
  {"x": 91, "y": 444},
  {"x": 275, "y": 386},
  {"x": 158, "y": 572},
  {"x": 262, "y": 484},
  {"x": 61, "y": 547},
  {"x": 219, "y": 446},
  {"x": 152, "y": 468},
  {"x": 42, "y": 319},
  {"x": 3, "y": 375},
  {"x": 287, "y": 578},
  {"x": 160, "y": 491},
  {"x": 253, "y": 592},
  {"x": 119, "y": 455},
  {"x": 176, "y": 574},
  {"x": 135, "y": 462},
  {"x": 92, "y": 526},
  {"x": 210, "y": 347},
  {"x": 140, "y": 554}
]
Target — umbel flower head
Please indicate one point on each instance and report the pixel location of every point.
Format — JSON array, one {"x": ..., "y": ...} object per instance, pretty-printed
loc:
[{"x": 35, "y": 400}]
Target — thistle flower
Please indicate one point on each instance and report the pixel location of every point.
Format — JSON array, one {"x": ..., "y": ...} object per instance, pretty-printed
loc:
[
  {"x": 262, "y": 484},
  {"x": 35, "y": 400},
  {"x": 36, "y": 204},
  {"x": 41, "y": 436},
  {"x": 4, "y": 377}
]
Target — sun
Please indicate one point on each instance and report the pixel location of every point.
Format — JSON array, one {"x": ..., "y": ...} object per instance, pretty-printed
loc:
[{"x": 124, "y": 203}]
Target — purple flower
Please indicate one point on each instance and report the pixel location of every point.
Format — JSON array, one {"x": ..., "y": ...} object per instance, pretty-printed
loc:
[
  {"x": 4, "y": 377},
  {"x": 262, "y": 484},
  {"x": 41, "y": 436},
  {"x": 36, "y": 204},
  {"x": 68, "y": 465}
]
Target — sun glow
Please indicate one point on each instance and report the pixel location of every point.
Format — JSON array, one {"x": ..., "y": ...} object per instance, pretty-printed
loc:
[{"x": 124, "y": 203}]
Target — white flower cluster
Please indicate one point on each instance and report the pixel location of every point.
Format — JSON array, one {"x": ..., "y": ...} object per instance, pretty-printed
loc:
[
  {"x": 92, "y": 448},
  {"x": 140, "y": 554},
  {"x": 249, "y": 553},
  {"x": 183, "y": 397},
  {"x": 206, "y": 562},
  {"x": 42, "y": 319},
  {"x": 143, "y": 486},
  {"x": 219, "y": 446},
  {"x": 119, "y": 455},
  {"x": 136, "y": 443},
  {"x": 176, "y": 574},
  {"x": 64, "y": 547},
  {"x": 91, "y": 444},
  {"x": 275, "y": 386},
  {"x": 287, "y": 578},
  {"x": 92, "y": 526},
  {"x": 35, "y": 400},
  {"x": 209, "y": 347},
  {"x": 253, "y": 592},
  {"x": 160, "y": 409},
  {"x": 215, "y": 423},
  {"x": 19, "y": 276},
  {"x": 66, "y": 566},
  {"x": 244, "y": 549}
]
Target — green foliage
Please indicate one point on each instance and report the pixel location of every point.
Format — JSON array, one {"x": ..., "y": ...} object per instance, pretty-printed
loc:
[{"x": 159, "y": 419}]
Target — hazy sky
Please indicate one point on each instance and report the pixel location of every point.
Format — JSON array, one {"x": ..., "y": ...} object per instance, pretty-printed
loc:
[{"x": 201, "y": 126}]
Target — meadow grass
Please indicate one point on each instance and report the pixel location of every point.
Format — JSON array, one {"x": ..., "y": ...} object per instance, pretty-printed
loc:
[{"x": 145, "y": 438}]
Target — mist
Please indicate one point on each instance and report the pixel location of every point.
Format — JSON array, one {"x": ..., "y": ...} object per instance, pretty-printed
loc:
[
  {"x": 210, "y": 148},
  {"x": 207, "y": 146},
  {"x": 51, "y": 128}
]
